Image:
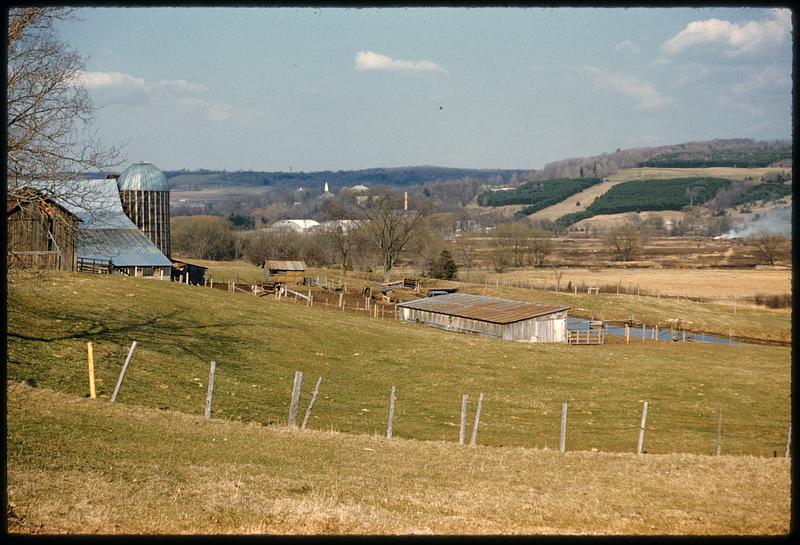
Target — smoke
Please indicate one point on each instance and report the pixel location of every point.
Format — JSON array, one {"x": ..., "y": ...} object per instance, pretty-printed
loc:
[{"x": 777, "y": 220}]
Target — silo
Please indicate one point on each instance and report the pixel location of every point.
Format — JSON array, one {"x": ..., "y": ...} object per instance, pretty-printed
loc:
[{"x": 144, "y": 193}]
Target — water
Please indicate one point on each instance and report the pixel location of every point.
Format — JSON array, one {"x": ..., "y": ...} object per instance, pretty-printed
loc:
[{"x": 636, "y": 332}]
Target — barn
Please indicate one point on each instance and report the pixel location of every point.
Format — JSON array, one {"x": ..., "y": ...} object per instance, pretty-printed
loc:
[
  {"x": 284, "y": 272},
  {"x": 488, "y": 316},
  {"x": 41, "y": 232}
]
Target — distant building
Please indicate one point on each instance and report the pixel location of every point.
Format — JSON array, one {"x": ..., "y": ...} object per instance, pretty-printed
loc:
[
  {"x": 284, "y": 272},
  {"x": 335, "y": 224},
  {"x": 296, "y": 225}
]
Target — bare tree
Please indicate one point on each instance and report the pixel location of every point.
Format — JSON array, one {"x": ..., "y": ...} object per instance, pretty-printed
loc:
[
  {"x": 625, "y": 241},
  {"x": 769, "y": 246},
  {"x": 467, "y": 250},
  {"x": 391, "y": 227},
  {"x": 343, "y": 242},
  {"x": 49, "y": 112}
]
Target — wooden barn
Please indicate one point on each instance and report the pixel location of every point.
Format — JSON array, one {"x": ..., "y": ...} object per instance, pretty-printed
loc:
[
  {"x": 488, "y": 316},
  {"x": 284, "y": 272},
  {"x": 41, "y": 233}
]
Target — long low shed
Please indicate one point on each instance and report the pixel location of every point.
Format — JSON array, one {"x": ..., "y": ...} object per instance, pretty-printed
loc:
[{"x": 488, "y": 316}]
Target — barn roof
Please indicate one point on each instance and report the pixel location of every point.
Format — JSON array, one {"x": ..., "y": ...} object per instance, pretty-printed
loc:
[
  {"x": 481, "y": 307},
  {"x": 285, "y": 265},
  {"x": 29, "y": 194},
  {"x": 123, "y": 247}
]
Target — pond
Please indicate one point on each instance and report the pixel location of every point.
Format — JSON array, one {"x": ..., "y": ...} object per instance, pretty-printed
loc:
[{"x": 636, "y": 332}]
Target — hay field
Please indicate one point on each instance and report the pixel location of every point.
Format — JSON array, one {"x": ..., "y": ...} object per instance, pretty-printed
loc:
[
  {"x": 720, "y": 284},
  {"x": 83, "y": 466}
]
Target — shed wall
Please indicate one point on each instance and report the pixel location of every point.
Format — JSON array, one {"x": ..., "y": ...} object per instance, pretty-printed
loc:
[
  {"x": 29, "y": 238},
  {"x": 545, "y": 329}
]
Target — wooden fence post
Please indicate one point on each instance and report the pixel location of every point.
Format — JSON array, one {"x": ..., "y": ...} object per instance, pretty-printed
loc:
[
  {"x": 562, "y": 442},
  {"x": 122, "y": 373},
  {"x": 212, "y": 282},
  {"x": 627, "y": 334},
  {"x": 474, "y": 437},
  {"x": 90, "y": 355},
  {"x": 789, "y": 441},
  {"x": 644, "y": 331},
  {"x": 311, "y": 403},
  {"x": 210, "y": 388},
  {"x": 719, "y": 431},
  {"x": 641, "y": 428},
  {"x": 293, "y": 405},
  {"x": 463, "y": 429},
  {"x": 391, "y": 414}
]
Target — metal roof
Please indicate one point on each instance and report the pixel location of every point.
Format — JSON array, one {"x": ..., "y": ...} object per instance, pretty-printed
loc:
[
  {"x": 123, "y": 247},
  {"x": 142, "y": 177},
  {"x": 481, "y": 307},
  {"x": 285, "y": 265}
]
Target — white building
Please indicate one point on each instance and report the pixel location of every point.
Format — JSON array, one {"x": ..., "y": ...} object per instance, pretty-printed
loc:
[{"x": 298, "y": 226}]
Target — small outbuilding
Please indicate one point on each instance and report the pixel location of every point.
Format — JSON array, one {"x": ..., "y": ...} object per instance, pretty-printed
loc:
[
  {"x": 284, "y": 272},
  {"x": 188, "y": 273},
  {"x": 489, "y": 316}
]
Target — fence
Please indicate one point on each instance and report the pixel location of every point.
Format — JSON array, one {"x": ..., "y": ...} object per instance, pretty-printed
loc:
[{"x": 576, "y": 425}]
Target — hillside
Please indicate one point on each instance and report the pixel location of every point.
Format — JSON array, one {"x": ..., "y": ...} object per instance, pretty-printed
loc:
[
  {"x": 74, "y": 464},
  {"x": 258, "y": 343},
  {"x": 391, "y": 177}
]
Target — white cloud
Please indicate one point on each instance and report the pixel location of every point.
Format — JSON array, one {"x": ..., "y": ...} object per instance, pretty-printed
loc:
[
  {"x": 100, "y": 80},
  {"x": 735, "y": 40},
  {"x": 627, "y": 45},
  {"x": 645, "y": 94},
  {"x": 768, "y": 78},
  {"x": 368, "y": 61},
  {"x": 117, "y": 88}
]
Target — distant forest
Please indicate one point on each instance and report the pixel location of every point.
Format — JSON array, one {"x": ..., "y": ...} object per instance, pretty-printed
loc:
[
  {"x": 643, "y": 195},
  {"x": 390, "y": 177}
]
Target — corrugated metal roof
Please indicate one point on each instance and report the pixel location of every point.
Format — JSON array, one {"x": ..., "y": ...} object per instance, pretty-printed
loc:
[
  {"x": 123, "y": 247},
  {"x": 481, "y": 307},
  {"x": 285, "y": 265},
  {"x": 142, "y": 177}
]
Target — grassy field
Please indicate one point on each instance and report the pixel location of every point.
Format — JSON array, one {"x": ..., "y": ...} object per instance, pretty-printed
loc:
[
  {"x": 258, "y": 343},
  {"x": 75, "y": 465}
]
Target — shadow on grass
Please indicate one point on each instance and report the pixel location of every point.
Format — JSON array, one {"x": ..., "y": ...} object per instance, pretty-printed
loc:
[{"x": 171, "y": 330}]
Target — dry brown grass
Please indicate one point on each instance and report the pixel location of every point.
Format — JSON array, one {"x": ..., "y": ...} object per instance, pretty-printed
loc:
[
  {"x": 87, "y": 467},
  {"x": 721, "y": 284}
]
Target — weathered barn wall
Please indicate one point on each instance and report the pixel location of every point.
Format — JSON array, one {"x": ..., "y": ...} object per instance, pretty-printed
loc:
[{"x": 41, "y": 235}]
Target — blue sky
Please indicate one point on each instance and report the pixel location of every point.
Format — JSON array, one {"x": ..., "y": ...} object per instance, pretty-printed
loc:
[{"x": 337, "y": 89}]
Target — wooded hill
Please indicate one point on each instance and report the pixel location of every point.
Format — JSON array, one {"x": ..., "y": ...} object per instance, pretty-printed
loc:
[
  {"x": 391, "y": 177},
  {"x": 645, "y": 195}
]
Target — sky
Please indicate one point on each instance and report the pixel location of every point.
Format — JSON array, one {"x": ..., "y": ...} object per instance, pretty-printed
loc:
[{"x": 305, "y": 89}]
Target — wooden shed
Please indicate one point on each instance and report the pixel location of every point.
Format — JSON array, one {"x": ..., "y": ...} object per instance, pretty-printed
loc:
[
  {"x": 284, "y": 272},
  {"x": 181, "y": 269},
  {"x": 489, "y": 316},
  {"x": 41, "y": 233}
]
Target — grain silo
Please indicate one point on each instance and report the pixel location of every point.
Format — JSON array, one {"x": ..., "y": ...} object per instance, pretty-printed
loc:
[{"x": 144, "y": 193}]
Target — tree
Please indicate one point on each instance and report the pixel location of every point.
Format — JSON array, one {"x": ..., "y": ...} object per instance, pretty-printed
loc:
[
  {"x": 204, "y": 237},
  {"x": 769, "y": 246},
  {"x": 49, "y": 112},
  {"x": 625, "y": 241},
  {"x": 444, "y": 267},
  {"x": 342, "y": 241},
  {"x": 390, "y": 227}
]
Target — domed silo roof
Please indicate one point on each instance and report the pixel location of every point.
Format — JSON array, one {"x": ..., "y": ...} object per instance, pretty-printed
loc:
[{"x": 142, "y": 177}]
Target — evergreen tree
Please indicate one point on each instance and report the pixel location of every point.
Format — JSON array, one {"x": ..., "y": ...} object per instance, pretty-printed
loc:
[{"x": 444, "y": 267}]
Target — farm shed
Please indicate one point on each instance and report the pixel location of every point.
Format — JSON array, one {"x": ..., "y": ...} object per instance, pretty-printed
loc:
[
  {"x": 284, "y": 272},
  {"x": 197, "y": 273},
  {"x": 488, "y": 316},
  {"x": 41, "y": 232}
]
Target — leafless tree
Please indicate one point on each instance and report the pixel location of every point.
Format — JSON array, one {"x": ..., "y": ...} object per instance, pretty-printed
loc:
[
  {"x": 343, "y": 242},
  {"x": 467, "y": 251},
  {"x": 769, "y": 246},
  {"x": 390, "y": 227},
  {"x": 625, "y": 241},
  {"x": 49, "y": 112}
]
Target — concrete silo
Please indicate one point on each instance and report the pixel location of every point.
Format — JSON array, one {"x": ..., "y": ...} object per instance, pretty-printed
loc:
[{"x": 144, "y": 193}]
